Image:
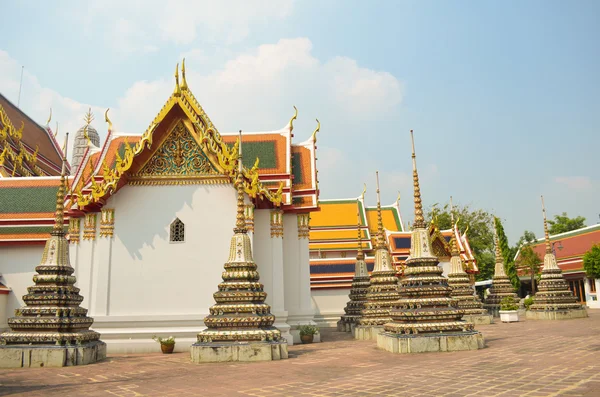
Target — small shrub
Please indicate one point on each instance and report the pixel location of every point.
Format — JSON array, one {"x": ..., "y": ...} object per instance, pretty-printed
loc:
[
  {"x": 308, "y": 330},
  {"x": 508, "y": 303},
  {"x": 528, "y": 302}
]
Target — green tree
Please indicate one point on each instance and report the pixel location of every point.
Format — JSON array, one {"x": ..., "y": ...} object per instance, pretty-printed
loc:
[
  {"x": 530, "y": 262},
  {"x": 527, "y": 238},
  {"x": 480, "y": 235},
  {"x": 591, "y": 262},
  {"x": 562, "y": 223},
  {"x": 508, "y": 254}
]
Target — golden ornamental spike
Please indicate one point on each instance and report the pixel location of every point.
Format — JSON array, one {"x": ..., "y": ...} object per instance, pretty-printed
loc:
[
  {"x": 89, "y": 117},
  {"x": 546, "y": 233},
  {"x": 362, "y": 195},
  {"x": 177, "y": 91},
  {"x": 419, "y": 221},
  {"x": 49, "y": 118},
  {"x": 56, "y": 131},
  {"x": 106, "y": 119},
  {"x": 380, "y": 232},
  {"x": 360, "y": 255},
  {"x": 184, "y": 85},
  {"x": 451, "y": 211},
  {"x": 59, "y": 215},
  {"x": 314, "y": 134},
  {"x": 294, "y": 117},
  {"x": 240, "y": 221}
]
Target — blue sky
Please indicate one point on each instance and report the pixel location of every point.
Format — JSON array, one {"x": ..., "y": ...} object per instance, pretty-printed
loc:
[{"x": 503, "y": 95}]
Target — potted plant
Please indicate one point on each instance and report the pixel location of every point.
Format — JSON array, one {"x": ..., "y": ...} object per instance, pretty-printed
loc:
[
  {"x": 166, "y": 344},
  {"x": 307, "y": 333},
  {"x": 508, "y": 310}
]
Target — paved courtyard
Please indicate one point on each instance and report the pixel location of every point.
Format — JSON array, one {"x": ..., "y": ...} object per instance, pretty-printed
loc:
[{"x": 529, "y": 358}]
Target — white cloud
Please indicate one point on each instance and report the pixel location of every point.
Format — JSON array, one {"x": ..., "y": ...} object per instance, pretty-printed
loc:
[{"x": 575, "y": 182}]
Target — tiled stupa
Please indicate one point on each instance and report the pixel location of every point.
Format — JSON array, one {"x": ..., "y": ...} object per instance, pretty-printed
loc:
[
  {"x": 425, "y": 318},
  {"x": 501, "y": 285},
  {"x": 240, "y": 324},
  {"x": 358, "y": 291},
  {"x": 462, "y": 290},
  {"x": 52, "y": 330},
  {"x": 553, "y": 300},
  {"x": 383, "y": 291}
]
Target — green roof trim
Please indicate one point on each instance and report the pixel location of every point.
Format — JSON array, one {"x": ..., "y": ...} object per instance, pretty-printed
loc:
[
  {"x": 265, "y": 151},
  {"x": 297, "y": 168},
  {"x": 29, "y": 199},
  {"x": 26, "y": 229}
]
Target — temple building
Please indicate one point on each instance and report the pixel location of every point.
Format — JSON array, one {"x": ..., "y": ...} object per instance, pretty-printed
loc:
[
  {"x": 334, "y": 247},
  {"x": 568, "y": 249},
  {"x": 149, "y": 223},
  {"x": 553, "y": 299}
]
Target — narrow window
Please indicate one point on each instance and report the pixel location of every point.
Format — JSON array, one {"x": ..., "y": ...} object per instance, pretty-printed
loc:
[
  {"x": 177, "y": 231},
  {"x": 592, "y": 285}
]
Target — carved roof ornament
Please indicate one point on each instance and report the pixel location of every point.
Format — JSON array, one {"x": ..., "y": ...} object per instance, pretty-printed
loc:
[
  {"x": 177, "y": 90},
  {"x": 362, "y": 195},
  {"x": 294, "y": 117},
  {"x": 314, "y": 134},
  {"x": 184, "y": 85},
  {"x": 107, "y": 120},
  {"x": 49, "y": 118}
]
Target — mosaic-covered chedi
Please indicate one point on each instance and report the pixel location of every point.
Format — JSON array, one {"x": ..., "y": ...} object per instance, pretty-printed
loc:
[
  {"x": 501, "y": 285},
  {"x": 425, "y": 318},
  {"x": 360, "y": 285},
  {"x": 240, "y": 324},
  {"x": 383, "y": 291},
  {"x": 52, "y": 329},
  {"x": 462, "y": 290},
  {"x": 553, "y": 300}
]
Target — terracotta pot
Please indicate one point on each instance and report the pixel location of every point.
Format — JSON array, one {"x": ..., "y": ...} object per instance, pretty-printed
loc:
[
  {"x": 306, "y": 338},
  {"x": 167, "y": 348}
]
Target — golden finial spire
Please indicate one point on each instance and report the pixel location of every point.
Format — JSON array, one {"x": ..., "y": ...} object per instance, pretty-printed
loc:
[
  {"x": 497, "y": 244},
  {"x": 419, "y": 221},
  {"x": 184, "y": 85},
  {"x": 240, "y": 220},
  {"x": 453, "y": 245},
  {"x": 177, "y": 91},
  {"x": 88, "y": 118},
  {"x": 362, "y": 195},
  {"x": 360, "y": 255},
  {"x": 314, "y": 134},
  {"x": 398, "y": 199},
  {"x": 59, "y": 215},
  {"x": 49, "y": 118},
  {"x": 451, "y": 211},
  {"x": 110, "y": 125},
  {"x": 380, "y": 232},
  {"x": 294, "y": 117},
  {"x": 546, "y": 234}
]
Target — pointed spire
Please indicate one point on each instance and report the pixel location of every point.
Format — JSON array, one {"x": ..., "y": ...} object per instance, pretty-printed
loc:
[
  {"x": 59, "y": 214},
  {"x": 546, "y": 234},
  {"x": 240, "y": 220},
  {"x": 451, "y": 211},
  {"x": 360, "y": 255},
  {"x": 419, "y": 221},
  {"x": 184, "y": 85},
  {"x": 453, "y": 244},
  {"x": 380, "y": 232},
  {"x": 177, "y": 90}
]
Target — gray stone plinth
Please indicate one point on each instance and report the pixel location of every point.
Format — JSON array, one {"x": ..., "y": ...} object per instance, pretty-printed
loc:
[
  {"x": 367, "y": 332},
  {"x": 555, "y": 314},
  {"x": 344, "y": 326},
  {"x": 25, "y": 356},
  {"x": 214, "y": 352},
  {"x": 399, "y": 343},
  {"x": 479, "y": 319}
]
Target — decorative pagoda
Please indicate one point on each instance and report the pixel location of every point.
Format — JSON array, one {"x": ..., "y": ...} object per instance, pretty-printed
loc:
[
  {"x": 425, "y": 318},
  {"x": 501, "y": 285},
  {"x": 52, "y": 330},
  {"x": 240, "y": 325},
  {"x": 383, "y": 290},
  {"x": 462, "y": 290},
  {"x": 360, "y": 285},
  {"x": 554, "y": 300}
]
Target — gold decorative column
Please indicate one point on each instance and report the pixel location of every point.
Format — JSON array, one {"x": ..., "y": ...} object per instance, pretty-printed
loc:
[
  {"x": 425, "y": 318},
  {"x": 303, "y": 226},
  {"x": 89, "y": 227},
  {"x": 554, "y": 300},
  {"x": 277, "y": 223},
  {"x": 107, "y": 222},
  {"x": 249, "y": 216},
  {"x": 74, "y": 232}
]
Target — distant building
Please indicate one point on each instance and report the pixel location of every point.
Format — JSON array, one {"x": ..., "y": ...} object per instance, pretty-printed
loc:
[{"x": 569, "y": 249}]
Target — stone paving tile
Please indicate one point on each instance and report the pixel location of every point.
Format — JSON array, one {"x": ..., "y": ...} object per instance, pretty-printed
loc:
[{"x": 528, "y": 358}]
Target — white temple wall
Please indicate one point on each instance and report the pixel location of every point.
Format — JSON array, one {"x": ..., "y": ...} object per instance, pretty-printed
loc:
[
  {"x": 291, "y": 265},
  {"x": 262, "y": 251},
  {"x": 17, "y": 268},
  {"x": 592, "y": 299},
  {"x": 329, "y": 305},
  {"x": 82, "y": 262}
]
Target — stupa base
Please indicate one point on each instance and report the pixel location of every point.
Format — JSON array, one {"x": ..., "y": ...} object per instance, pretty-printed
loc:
[
  {"x": 556, "y": 314},
  {"x": 343, "y": 326},
  {"x": 479, "y": 319},
  {"x": 218, "y": 352},
  {"x": 35, "y": 356},
  {"x": 367, "y": 332},
  {"x": 400, "y": 343}
]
